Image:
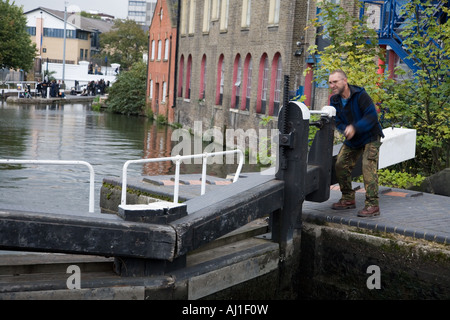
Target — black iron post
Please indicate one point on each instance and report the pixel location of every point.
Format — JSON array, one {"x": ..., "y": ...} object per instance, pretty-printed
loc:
[{"x": 293, "y": 153}]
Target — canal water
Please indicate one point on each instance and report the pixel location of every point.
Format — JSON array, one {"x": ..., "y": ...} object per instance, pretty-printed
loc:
[{"x": 76, "y": 132}]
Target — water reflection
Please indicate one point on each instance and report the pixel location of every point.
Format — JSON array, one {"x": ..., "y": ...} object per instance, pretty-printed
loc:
[
  {"x": 75, "y": 132},
  {"x": 71, "y": 132}
]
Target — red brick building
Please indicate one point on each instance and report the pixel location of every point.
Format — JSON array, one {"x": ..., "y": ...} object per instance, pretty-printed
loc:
[{"x": 162, "y": 59}]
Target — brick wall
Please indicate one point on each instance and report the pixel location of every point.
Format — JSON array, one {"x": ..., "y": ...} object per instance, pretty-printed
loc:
[{"x": 256, "y": 40}]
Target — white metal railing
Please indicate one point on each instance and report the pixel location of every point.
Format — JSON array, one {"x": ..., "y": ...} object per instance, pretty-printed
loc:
[
  {"x": 14, "y": 84},
  {"x": 328, "y": 111},
  {"x": 178, "y": 160},
  {"x": 62, "y": 162}
]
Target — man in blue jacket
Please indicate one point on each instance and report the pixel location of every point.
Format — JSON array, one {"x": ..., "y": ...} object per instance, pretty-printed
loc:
[{"x": 357, "y": 119}]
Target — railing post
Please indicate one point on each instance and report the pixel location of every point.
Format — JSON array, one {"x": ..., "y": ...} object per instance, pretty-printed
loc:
[
  {"x": 62, "y": 162},
  {"x": 178, "y": 160}
]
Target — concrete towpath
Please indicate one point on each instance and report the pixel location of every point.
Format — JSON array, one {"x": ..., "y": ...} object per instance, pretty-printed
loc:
[{"x": 39, "y": 100}]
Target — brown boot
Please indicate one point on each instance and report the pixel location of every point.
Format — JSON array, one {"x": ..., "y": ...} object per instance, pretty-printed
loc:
[
  {"x": 344, "y": 204},
  {"x": 369, "y": 211}
]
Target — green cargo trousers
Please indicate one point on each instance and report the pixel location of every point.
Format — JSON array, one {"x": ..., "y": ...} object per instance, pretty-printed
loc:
[{"x": 346, "y": 161}]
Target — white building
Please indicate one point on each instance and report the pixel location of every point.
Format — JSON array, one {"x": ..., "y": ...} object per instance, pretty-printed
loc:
[
  {"x": 141, "y": 11},
  {"x": 46, "y": 29}
]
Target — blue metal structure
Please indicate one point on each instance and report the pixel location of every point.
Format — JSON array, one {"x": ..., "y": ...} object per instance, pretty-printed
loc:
[{"x": 391, "y": 21}]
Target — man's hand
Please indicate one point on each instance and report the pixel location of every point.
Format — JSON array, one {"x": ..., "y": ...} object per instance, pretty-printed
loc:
[{"x": 349, "y": 132}]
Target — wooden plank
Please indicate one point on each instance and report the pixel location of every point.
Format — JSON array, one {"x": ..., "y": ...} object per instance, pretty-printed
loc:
[
  {"x": 85, "y": 235},
  {"x": 218, "y": 214}
]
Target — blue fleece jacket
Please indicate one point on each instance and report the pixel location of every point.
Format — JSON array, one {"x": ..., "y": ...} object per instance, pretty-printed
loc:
[{"x": 361, "y": 113}]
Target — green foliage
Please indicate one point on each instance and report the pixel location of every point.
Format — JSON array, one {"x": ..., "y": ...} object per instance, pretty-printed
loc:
[
  {"x": 16, "y": 49},
  {"x": 353, "y": 48},
  {"x": 397, "y": 179},
  {"x": 423, "y": 101},
  {"x": 90, "y": 15},
  {"x": 265, "y": 121},
  {"x": 265, "y": 157},
  {"x": 49, "y": 75},
  {"x": 124, "y": 44},
  {"x": 96, "y": 105},
  {"x": 127, "y": 94},
  {"x": 161, "y": 119},
  {"x": 420, "y": 102}
]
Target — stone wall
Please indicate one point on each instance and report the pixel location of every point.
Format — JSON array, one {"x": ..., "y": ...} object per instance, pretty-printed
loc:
[{"x": 344, "y": 263}]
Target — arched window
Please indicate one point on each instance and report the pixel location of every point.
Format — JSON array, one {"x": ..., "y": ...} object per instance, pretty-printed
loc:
[
  {"x": 220, "y": 79},
  {"x": 203, "y": 79},
  {"x": 181, "y": 77},
  {"x": 263, "y": 84},
  {"x": 237, "y": 79},
  {"x": 247, "y": 85},
  {"x": 187, "y": 94},
  {"x": 276, "y": 85}
]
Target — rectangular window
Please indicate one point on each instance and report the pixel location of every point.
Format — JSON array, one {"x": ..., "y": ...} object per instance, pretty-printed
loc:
[
  {"x": 164, "y": 91},
  {"x": 192, "y": 17},
  {"x": 151, "y": 89},
  {"x": 83, "y": 35},
  {"x": 31, "y": 31},
  {"x": 136, "y": 3},
  {"x": 59, "y": 33},
  {"x": 184, "y": 16},
  {"x": 153, "y": 50},
  {"x": 159, "y": 49},
  {"x": 274, "y": 12},
  {"x": 246, "y": 13},
  {"x": 166, "y": 50},
  {"x": 206, "y": 16},
  {"x": 215, "y": 10},
  {"x": 224, "y": 15}
]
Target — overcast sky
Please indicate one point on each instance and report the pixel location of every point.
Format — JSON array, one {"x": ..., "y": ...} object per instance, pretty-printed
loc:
[{"x": 116, "y": 8}]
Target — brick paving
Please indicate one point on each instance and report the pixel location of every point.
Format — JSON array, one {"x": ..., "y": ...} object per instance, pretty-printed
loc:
[{"x": 404, "y": 212}]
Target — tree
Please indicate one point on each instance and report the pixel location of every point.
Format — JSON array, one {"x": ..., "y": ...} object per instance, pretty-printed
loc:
[
  {"x": 423, "y": 101},
  {"x": 125, "y": 43},
  {"x": 420, "y": 102},
  {"x": 127, "y": 94},
  {"x": 353, "y": 48},
  {"x": 16, "y": 49}
]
